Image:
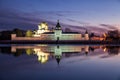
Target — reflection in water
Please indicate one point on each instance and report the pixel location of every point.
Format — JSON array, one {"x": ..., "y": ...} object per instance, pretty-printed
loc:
[
  {"x": 45, "y": 52},
  {"x": 75, "y": 62},
  {"x": 42, "y": 56},
  {"x": 112, "y": 50}
]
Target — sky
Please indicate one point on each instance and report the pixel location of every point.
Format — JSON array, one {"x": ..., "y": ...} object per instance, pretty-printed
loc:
[{"x": 79, "y": 15}]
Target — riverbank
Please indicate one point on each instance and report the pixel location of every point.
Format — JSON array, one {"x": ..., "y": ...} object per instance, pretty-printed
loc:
[{"x": 57, "y": 42}]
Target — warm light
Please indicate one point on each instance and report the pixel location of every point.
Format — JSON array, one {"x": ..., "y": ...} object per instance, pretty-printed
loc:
[
  {"x": 101, "y": 39},
  {"x": 35, "y": 35},
  {"x": 42, "y": 57},
  {"x": 104, "y": 49},
  {"x": 104, "y": 35},
  {"x": 43, "y": 26}
]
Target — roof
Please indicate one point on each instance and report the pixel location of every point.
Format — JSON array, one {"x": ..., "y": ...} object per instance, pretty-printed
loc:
[
  {"x": 70, "y": 32},
  {"x": 58, "y": 25},
  {"x": 48, "y": 33},
  {"x": 62, "y": 33}
]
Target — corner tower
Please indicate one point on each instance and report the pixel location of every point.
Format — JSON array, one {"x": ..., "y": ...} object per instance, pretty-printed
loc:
[{"x": 86, "y": 35}]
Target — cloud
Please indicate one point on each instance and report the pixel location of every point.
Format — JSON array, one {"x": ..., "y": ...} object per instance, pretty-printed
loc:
[
  {"x": 108, "y": 26},
  {"x": 95, "y": 29},
  {"x": 60, "y": 15},
  {"x": 80, "y": 22},
  {"x": 10, "y": 19},
  {"x": 19, "y": 16}
]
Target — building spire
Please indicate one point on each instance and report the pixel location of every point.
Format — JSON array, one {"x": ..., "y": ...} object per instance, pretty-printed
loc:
[
  {"x": 86, "y": 32},
  {"x": 58, "y": 21},
  {"x": 58, "y": 58},
  {"x": 58, "y": 27}
]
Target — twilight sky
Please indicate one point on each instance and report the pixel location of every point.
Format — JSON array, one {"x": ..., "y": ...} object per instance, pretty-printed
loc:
[{"x": 93, "y": 15}]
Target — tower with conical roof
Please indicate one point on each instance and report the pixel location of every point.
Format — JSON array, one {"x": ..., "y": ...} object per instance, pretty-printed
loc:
[
  {"x": 86, "y": 35},
  {"x": 86, "y": 32},
  {"x": 58, "y": 31},
  {"x": 58, "y": 27}
]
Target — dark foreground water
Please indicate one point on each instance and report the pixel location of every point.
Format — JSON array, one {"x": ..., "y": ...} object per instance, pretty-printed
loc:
[{"x": 59, "y": 62}]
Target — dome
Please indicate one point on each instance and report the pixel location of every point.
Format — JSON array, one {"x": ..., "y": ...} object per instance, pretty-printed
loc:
[{"x": 43, "y": 26}]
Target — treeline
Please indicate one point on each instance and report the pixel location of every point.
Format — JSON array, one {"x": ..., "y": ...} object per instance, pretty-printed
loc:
[{"x": 6, "y": 35}]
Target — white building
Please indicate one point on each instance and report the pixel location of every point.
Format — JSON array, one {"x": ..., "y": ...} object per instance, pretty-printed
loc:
[
  {"x": 43, "y": 33},
  {"x": 58, "y": 34}
]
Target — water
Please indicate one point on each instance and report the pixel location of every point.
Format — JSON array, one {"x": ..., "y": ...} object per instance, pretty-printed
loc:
[{"x": 59, "y": 62}]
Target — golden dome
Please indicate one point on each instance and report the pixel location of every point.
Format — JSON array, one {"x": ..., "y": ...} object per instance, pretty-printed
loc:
[{"x": 43, "y": 26}]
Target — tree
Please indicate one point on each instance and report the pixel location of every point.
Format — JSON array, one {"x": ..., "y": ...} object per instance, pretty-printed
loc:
[
  {"x": 92, "y": 35},
  {"x": 29, "y": 33},
  {"x": 18, "y": 32},
  {"x": 29, "y": 51}
]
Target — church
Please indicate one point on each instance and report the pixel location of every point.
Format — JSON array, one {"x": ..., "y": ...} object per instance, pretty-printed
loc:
[{"x": 43, "y": 33}]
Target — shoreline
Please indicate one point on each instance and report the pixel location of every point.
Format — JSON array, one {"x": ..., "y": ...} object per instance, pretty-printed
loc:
[{"x": 57, "y": 42}]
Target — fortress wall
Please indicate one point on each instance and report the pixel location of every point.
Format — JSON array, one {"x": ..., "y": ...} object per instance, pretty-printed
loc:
[
  {"x": 47, "y": 36},
  {"x": 71, "y": 37},
  {"x": 50, "y": 37},
  {"x": 13, "y": 37},
  {"x": 42, "y": 37},
  {"x": 26, "y": 38}
]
